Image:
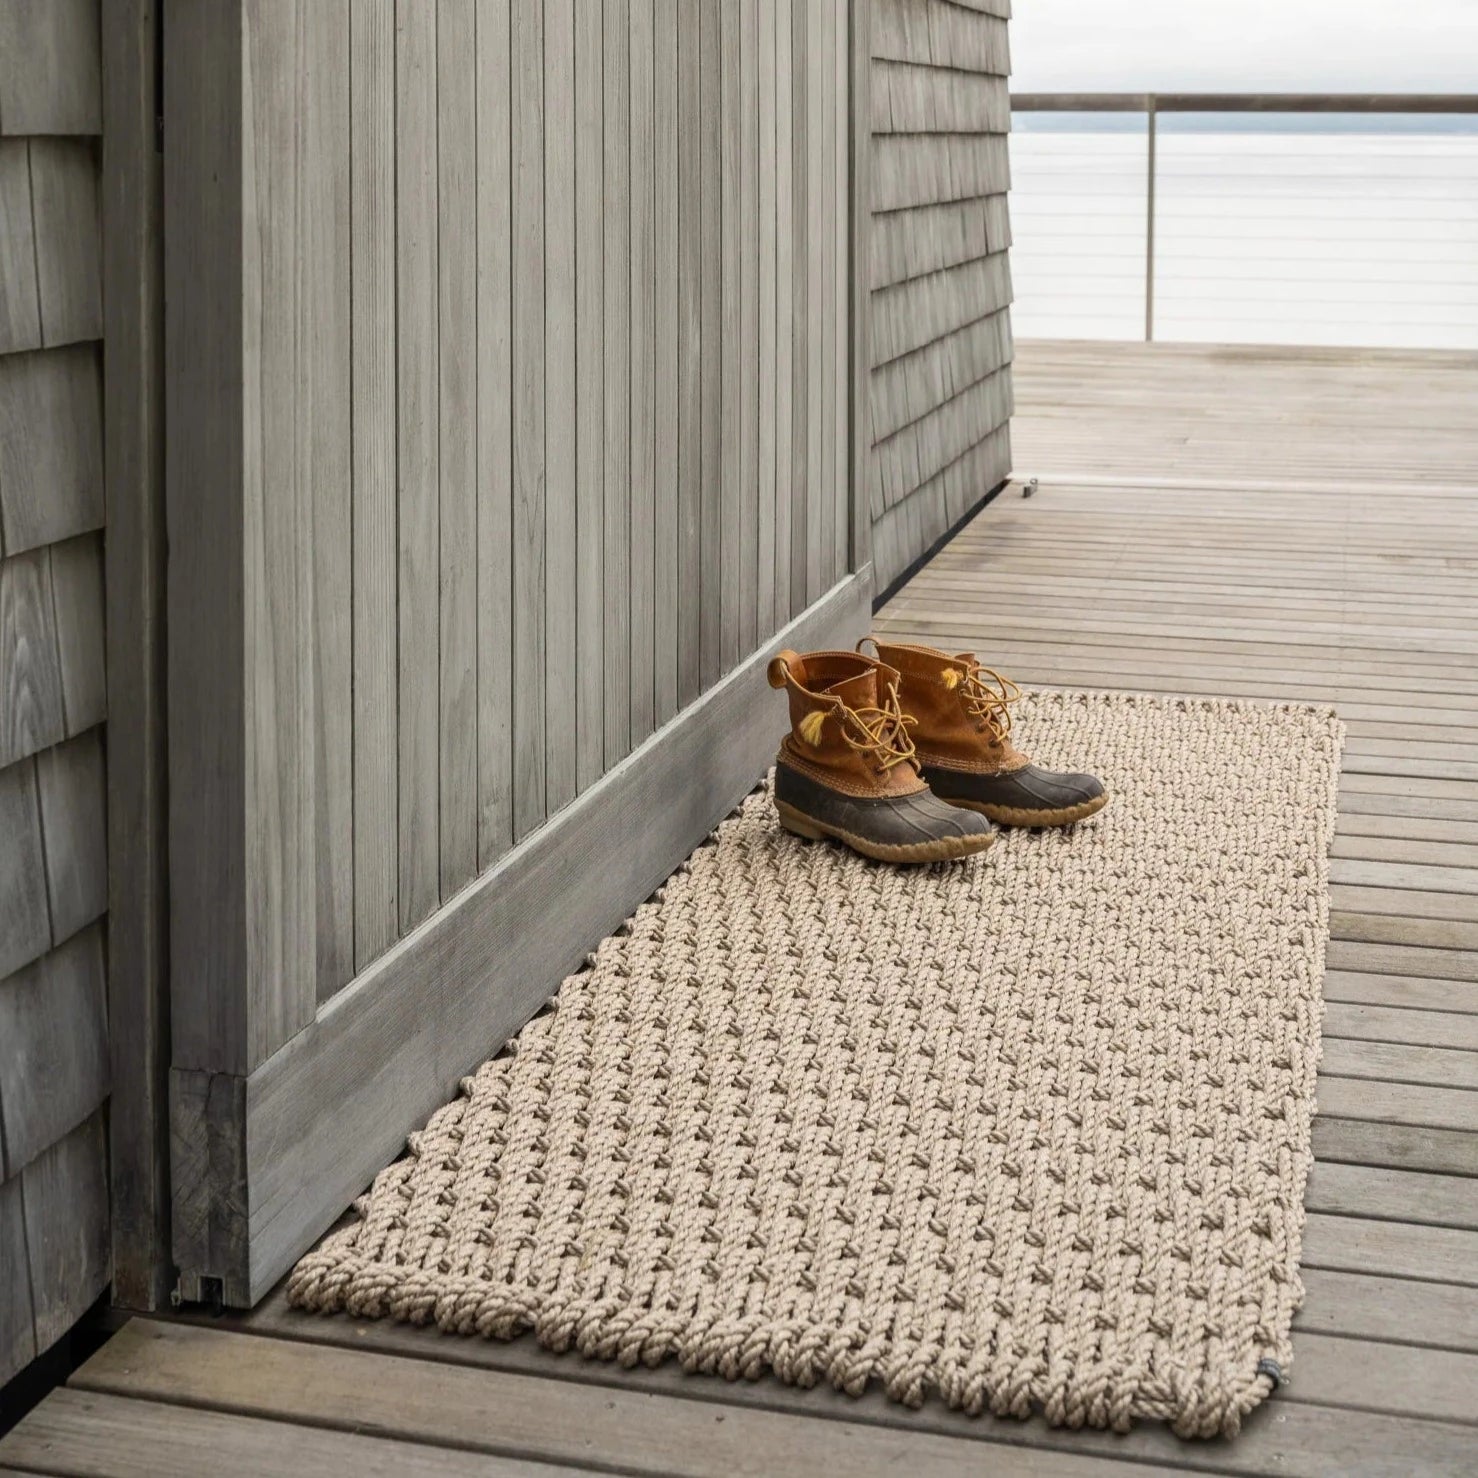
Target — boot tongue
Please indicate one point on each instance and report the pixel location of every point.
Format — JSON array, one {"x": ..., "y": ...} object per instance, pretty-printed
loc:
[{"x": 857, "y": 692}]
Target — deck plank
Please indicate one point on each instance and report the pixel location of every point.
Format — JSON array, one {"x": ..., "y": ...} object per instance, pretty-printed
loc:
[
  {"x": 1289, "y": 1435},
  {"x": 86, "y": 1433},
  {"x": 630, "y": 1430}
]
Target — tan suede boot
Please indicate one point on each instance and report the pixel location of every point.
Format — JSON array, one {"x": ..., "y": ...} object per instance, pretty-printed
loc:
[
  {"x": 963, "y": 738},
  {"x": 846, "y": 770}
]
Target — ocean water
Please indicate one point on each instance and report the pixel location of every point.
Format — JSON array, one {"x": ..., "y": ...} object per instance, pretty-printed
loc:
[{"x": 1279, "y": 230}]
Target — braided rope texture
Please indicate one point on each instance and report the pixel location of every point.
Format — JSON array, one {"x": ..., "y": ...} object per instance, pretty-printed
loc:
[{"x": 1025, "y": 1133}]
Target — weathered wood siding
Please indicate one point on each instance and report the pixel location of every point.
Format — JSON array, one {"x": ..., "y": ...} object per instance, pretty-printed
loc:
[
  {"x": 53, "y": 852},
  {"x": 507, "y": 362},
  {"x": 940, "y": 325},
  {"x": 563, "y": 444}
]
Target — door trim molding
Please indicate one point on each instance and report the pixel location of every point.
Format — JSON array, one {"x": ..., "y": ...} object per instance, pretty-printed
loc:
[
  {"x": 264, "y": 1164},
  {"x": 133, "y": 428}
]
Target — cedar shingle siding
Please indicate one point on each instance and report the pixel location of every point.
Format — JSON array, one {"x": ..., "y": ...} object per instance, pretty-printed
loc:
[
  {"x": 53, "y": 854},
  {"x": 941, "y": 285}
]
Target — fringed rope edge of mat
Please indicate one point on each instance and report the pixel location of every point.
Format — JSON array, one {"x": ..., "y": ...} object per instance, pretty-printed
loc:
[
  {"x": 851, "y": 1359},
  {"x": 332, "y": 1281}
]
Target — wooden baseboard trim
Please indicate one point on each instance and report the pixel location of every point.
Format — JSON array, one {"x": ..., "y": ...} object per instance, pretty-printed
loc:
[{"x": 328, "y": 1110}]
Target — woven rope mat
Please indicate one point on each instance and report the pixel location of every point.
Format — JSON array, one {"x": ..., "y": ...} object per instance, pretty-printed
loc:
[{"x": 1028, "y": 1132}]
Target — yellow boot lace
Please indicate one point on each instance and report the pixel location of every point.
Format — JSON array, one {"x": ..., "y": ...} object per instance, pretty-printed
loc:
[
  {"x": 883, "y": 732},
  {"x": 987, "y": 702}
]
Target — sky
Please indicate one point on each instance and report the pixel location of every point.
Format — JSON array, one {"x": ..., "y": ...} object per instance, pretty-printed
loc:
[{"x": 1245, "y": 46}]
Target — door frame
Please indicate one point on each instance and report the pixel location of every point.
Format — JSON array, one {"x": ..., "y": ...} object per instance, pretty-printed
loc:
[{"x": 133, "y": 431}]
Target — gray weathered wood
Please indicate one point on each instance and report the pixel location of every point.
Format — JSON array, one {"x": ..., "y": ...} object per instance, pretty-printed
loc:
[
  {"x": 17, "y": 1320},
  {"x": 32, "y": 711},
  {"x": 240, "y": 583},
  {"x": 825, "y": 197},
  {"x": 207, "y": 1142},
  {"x": 748, "y": 343},
  {"x": 785, "y": 260},
  {"x": 1404, "y": 1195},
  {"x": 729, "y": 345},
  {"x": 373, "y": 462},
  {"x": 927, "y": 238},
  {"x": 909, "y": 98},
  {"x": 710, "y": 330},
  {"x": 803, "y": 107},
  {"x": 73, "y": 790},
  {"x": 922, "y": 309},
  {"x": 590, "y": 363},
  {"x": 940, "y": 33},
  {"x": 456, "y": 144},
  {"x": 936, "y": 134},
  {"x": 616, "y": 548},
  {"x": 94, "y": 1433},
  {"x": 25, "y": 916},
  {"x": 560, "y": 495},
  {"x": 494, "y": 434},
  {"x": 922, "y": 449},
  {"x": 65, "y": 1191},
  {"x": 840, "y": 225},
  {"x": 909, "y": 387},
  {"x": 667, "y": 328},
  {"x": 923, "y": 169},
  {"x": 768, "y": 240},
  {"x": 334, "y": 1104},
  {"x": 137, "y": 936},
  {"x": 819, "y": 504},
  {"x": 641, "y": 190},
  {"x": 325, "y": 462},
  {"x": 51, "y": 445},
  {"x": 541, "y": 1417},
  {"x": 526, "y": 64},
  {"x": 77, "y": 595},
  {"x": 1377, "y": 1376},
  {"x": 859, "y": 409},
  {"x": 50, "y": 64},
  {"x": 20, "y": 307},
  {"x": 1289, "y": 1432},
  {"x": 64, "y": 198},
  {"x": 1361, "y": 1304},
  {"x": 277, "y": 516},
  {"x": 417, "y": 342},
  {"x": 689, "y": 355},
  {"x": 53, "y": 1046}
]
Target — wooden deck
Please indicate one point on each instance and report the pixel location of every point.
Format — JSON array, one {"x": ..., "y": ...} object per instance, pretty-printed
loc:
[{"x": 1263, "y": 523}]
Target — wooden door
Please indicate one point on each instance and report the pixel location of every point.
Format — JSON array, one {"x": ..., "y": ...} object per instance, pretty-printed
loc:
[{"x": 510, "y": 365}]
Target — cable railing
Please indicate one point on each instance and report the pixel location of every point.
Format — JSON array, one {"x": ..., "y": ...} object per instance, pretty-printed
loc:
[{"x": 1247, "y": 217}]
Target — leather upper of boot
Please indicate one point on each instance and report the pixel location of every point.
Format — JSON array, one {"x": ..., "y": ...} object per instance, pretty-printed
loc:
[
  {"x": 961, "y": 710},
  {"x": 847, "y": 730}
]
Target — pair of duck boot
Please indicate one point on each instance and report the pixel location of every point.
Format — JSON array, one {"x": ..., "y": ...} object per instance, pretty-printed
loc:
[{"x": 907, "y": 756}]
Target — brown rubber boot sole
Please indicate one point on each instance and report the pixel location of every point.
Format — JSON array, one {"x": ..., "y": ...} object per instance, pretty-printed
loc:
[
  {"x": 945, "y": 849},
  {"x": 1021, "y": 816}
]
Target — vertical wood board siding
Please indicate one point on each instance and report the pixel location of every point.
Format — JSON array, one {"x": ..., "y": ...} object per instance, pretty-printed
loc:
[{"x": 528, "y": 302}]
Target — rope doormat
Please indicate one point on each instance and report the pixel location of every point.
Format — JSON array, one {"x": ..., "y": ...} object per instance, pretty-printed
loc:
[{"x": 1028, "y": 1132}]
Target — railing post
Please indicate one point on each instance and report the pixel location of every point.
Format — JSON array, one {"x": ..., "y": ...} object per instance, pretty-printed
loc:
[{"x": 1149, "y": 226}]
